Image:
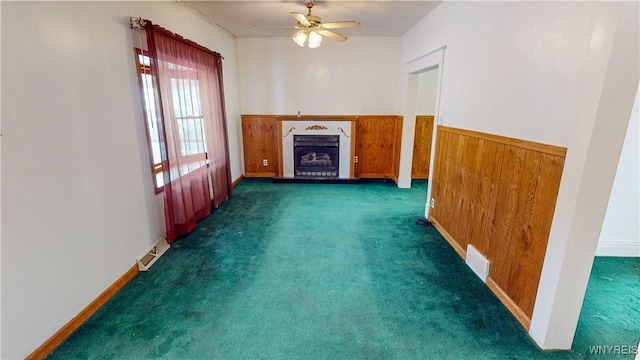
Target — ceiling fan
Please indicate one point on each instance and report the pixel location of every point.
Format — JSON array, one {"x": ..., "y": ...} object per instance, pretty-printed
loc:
[{"x": 312, "y": 28}]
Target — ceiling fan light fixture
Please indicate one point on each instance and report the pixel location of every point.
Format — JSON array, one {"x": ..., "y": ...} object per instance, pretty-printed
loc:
[
  {"x": 314, "y": 40},
  {"x": 300, "y": 38},
  {"x": 311, "y": 29}
]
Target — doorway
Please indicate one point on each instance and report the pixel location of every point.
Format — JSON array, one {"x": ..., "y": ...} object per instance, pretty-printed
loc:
[
  {"x": 425, "y": 111},
  {"x": 432, "y": 60},
  {"x": 611, "y": 311}
]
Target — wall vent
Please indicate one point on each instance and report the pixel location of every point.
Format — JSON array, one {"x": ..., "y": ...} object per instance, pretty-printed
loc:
[
  {"x": 152, "y": 254},
  {"x": 478, "y": 263}
]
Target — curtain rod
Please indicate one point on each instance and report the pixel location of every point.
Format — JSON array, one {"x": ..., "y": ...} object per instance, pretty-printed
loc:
[{"x": 138, "y": 23}]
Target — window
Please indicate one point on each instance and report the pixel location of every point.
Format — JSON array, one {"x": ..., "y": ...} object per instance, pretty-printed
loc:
[
  {"x": 183, "y": 105},
  {"x": 187, "y": 116}
]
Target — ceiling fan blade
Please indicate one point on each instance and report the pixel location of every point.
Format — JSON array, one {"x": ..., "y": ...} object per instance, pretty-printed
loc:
[
  {"x": 277, "y": 26},
  {"x": 301, "y": 18},
  {"x": 340, "y": 24},
  {"x": 330, "y": 34}
]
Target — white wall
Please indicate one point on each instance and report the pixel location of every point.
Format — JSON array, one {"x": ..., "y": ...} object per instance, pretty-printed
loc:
[
  {"x": 360, "y": 76},
  {"x": 426, "y": 101},
  {"x": 542, "y": 71},
  {"x": 509, "y": 64},
  {"x": 620, "y": 234},
  {"x": 77, "y": 198}
]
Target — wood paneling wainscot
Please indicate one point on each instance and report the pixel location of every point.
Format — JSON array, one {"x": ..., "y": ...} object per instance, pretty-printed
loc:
[
  {"x": 422, "y": 147},
  {"x": 377, "y": 143},
  {"x": 378, "y": 140},
  {"x": 498, "y": 194},
  {"x": 260, "y": 141}
]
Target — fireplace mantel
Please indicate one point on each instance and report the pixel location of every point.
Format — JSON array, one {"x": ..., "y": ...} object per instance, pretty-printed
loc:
[{"x": 346, "y": 129}]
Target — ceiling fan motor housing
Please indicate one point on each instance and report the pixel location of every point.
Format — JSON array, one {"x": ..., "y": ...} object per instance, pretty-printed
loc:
[{"x": 314, "y": 20}]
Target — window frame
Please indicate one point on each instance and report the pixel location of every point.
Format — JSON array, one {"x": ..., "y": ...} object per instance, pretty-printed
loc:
[
  {"x": 141, "y": 69},
  {"x": 188, "y": 159}
]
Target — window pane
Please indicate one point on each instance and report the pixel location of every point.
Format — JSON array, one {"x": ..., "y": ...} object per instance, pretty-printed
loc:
[
  {"x": 186, "y": 98},
  {"x": 188, "y": 114},
  {"x": 192, "y": 138},
  {"x": 152, "y": 120},
  {"x": 144, "y": 60}
]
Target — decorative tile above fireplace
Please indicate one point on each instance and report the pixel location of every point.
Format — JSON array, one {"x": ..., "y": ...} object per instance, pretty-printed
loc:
[{"x": 320, "y": 149}]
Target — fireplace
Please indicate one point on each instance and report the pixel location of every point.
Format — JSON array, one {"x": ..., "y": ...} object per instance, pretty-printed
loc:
[
  {"x": 314, "y": 151},
  {"x": 316, "y": 156}
]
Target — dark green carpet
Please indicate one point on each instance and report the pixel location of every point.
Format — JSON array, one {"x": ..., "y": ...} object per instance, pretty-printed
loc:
[
  {"x": 611, "y": 310},
  {"x": 308, "y": 271}
]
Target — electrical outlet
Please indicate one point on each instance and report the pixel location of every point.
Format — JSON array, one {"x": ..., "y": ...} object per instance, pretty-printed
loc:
[
  {"x": 440, "y": 120},
  {"x": 433, "y": 202},
  {"x": 265, "y": 162},
  {"x": 355, "y": 159}
]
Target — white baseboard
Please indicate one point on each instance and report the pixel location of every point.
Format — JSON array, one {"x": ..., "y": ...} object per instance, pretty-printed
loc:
[{"x": 623, "y": 248}]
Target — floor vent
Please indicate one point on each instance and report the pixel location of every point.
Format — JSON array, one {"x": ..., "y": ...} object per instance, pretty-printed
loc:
[
  {"x": 478, "y": 263},
  {"x": 152, "y": 254}
]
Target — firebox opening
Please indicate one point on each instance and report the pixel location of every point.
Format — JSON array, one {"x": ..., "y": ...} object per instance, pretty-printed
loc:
[{"x": 316, "y": 156}]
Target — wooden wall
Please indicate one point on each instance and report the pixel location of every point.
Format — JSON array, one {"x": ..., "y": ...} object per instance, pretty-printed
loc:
[
  {"x": 260, "y": 141},
  {"x": 498, "y": 194},
  {"x": 378, "y": 139},
  {"x": 422, "y": 147}
]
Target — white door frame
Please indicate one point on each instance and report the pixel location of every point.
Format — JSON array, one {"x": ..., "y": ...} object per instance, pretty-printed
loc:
[{"x": 425, "y": 62}]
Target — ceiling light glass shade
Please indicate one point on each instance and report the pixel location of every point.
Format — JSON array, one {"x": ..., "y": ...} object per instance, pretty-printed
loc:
[
  {"x": 314, "y": 39},
  {"x": 300, "y": 37}
]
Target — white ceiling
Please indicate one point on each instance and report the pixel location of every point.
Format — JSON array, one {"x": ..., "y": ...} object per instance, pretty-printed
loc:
[{"x": 377, "y": 18}]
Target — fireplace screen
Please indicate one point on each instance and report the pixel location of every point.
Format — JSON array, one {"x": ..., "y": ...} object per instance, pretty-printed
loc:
[{"x": 316, "y": 155}]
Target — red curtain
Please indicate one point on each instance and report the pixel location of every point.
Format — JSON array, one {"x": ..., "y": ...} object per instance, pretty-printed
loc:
[
  {"x": 217, "y": 142},
  {"x": 189, "y": 97}
]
